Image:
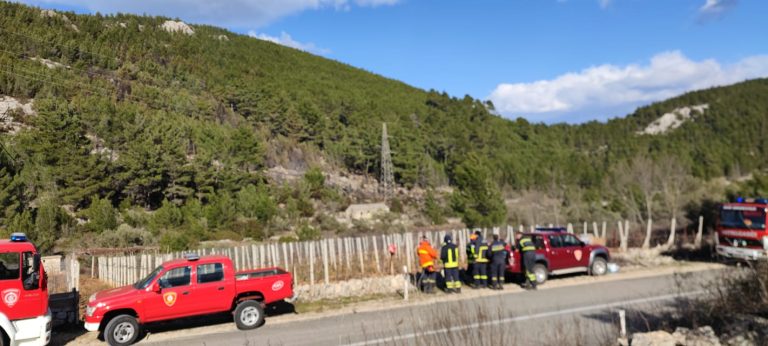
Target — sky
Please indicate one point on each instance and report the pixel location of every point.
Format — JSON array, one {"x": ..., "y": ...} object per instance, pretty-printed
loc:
[{"x": 545, "y": 60}]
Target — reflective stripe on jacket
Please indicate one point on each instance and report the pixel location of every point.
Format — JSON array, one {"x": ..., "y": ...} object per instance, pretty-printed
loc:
[
  {"x": 526, "y": 244},
  {"x": 427, "y": 254},
  {"x": 449, "y": 254}
]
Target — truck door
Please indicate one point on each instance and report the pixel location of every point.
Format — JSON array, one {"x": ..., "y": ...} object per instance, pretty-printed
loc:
[
  {"x": 175, "y": 296},
  {"x": 571, "y": 253},
  {"x": 558, "y": 257},
  {"x": 20, "y": 289},
  {"x": 214, "y": 290}
]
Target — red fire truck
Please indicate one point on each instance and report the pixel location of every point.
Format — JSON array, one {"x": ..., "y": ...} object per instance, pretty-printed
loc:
[
  {"x": 25, "y": 319},
  {"x": 741, "y": 232}
]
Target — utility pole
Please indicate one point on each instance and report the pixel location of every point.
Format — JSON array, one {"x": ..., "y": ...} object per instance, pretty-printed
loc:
[{"x": 387, "y": 180}]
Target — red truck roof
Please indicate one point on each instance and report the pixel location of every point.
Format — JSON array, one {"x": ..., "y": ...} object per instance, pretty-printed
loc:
[
  {"x": 16, "y": 246},
  {"x": 204, "y": 259}
]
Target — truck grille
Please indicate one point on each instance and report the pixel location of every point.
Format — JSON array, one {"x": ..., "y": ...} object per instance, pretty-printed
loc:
[{"x": 741, "y": 242}]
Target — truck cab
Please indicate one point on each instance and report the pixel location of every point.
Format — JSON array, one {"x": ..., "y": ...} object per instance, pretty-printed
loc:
[
  {"x": 559, "y": 252},
  {"x": 25, "y": 319},
  {"x": 742, "y": 230}
]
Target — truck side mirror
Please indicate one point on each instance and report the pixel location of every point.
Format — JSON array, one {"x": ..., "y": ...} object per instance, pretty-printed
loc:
[
  {"x": 156, "y": 287},
  {"x": 36, "y": 263}
]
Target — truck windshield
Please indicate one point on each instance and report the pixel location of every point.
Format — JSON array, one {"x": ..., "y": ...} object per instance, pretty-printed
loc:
[
  {"x": 742, "y": 217},
  {"x": 143, "y": 283}
]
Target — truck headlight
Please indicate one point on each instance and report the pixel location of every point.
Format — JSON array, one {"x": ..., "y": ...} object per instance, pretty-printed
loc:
[
  {"x": 92, "y": 298},
  {"x": 765, "y": 242},
  {"x": 90, "y": 310}
]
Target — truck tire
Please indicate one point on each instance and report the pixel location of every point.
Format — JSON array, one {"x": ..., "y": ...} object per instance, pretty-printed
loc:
[
  {"x": 599, "y": 266},
  {"x": 122, "y": 330},
  {"x": 541, "y": 272},
  {"x": 249, "y": 315}
]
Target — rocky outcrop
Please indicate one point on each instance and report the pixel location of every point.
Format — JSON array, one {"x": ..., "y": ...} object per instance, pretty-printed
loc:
[
  {"x": 54, "y": 14},
  {"x": 9, "y": 106},
  {"x": 673, "y": 120},
  {"x": 49, "y": 63},
  {"x": 703, "y": 336},
  {"x": 177, "y": 27}
]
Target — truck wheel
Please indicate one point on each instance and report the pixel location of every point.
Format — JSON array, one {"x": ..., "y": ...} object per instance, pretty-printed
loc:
[
  {"x": 249, "y": 315},
  {"x": 599, "y": 266},
  {"x": 122, "y": 330},
  {"x": 541, "y": 272}
]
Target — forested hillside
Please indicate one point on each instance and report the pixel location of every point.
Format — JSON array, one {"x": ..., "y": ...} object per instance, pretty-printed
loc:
[{"x": 140, "y": 135}]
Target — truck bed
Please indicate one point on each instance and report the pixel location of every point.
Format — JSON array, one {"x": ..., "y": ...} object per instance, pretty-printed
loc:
[{"x": 274, "y": 284}]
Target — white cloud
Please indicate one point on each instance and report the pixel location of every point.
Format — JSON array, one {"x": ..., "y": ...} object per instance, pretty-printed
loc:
[
  {"x": 714, "y": 9},
  {"x": 286, "y": 40},
  {"x": 231, "y": 13},
  {"x": 594, "y": 92}
]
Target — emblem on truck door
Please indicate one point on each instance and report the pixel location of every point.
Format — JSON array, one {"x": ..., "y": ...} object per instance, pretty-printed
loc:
[
  {"x": 278, "y": 285},
  {"x": 11, "y": 297},
  {"x": 577, "y": 254},
  {"x": 169, "y": 298}
]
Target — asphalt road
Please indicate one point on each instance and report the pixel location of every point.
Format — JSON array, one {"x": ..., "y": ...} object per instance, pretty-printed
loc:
[{"x": 582, "y": 314}]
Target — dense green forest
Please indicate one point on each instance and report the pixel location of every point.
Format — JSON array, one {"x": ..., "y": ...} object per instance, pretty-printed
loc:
[{"x": 143, "y": 136}]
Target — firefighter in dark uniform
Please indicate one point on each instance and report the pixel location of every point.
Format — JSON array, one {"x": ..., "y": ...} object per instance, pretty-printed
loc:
[
  {"x": 449, "y": 254},
  {"x": 470, "y": 251},
  {"x": 498, "y": 262},
  {"x": 528, "y": 251},
  {"x": 481, "y": 263}
]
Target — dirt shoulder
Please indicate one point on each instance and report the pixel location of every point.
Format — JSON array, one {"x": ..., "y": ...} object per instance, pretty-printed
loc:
[{"x": 336, "y": 307}]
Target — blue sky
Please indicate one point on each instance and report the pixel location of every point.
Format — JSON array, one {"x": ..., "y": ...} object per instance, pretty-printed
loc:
[{"x": 545, "y": 60}]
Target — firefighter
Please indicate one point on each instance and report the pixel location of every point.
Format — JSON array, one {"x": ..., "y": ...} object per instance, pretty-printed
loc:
[
  {"x": 449, "y": 254},
  {"x": 498, "y": 262},
  {"x": 481, "y": 263},
  {"x": 427, "y": 256},
  {"x": 528, "y": 252},
  {"x": 470, "y": 250}
]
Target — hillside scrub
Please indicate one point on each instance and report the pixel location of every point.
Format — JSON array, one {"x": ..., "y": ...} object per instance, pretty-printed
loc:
[{"x": 181, "y": 128}]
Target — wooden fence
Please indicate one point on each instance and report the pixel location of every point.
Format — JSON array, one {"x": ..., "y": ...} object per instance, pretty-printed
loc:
[{"x": 332, "y": 259}]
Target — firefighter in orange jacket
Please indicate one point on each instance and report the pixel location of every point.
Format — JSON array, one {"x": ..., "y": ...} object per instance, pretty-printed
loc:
[{"x": 427, "y": 256}]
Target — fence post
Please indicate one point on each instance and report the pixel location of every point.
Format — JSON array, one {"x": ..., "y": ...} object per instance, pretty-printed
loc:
[
  {"x": 407, "y": 279},
  {"x": 324, "y": 244},
  {"x": 360, "y": 254},
  {"x": 312, "y": 268},
  {"x": 376, "y": 254}
]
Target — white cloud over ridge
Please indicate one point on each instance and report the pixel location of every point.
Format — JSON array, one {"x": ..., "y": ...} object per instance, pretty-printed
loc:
[
  {"x": 595, "y": 91},
  {"x": 230, "y": 13},
  {"x": 286, "y": 40}
]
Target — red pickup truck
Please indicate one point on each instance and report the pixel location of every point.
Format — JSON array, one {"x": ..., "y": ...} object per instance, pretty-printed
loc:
[
  {"x": 558, "y": 253},
  {"x": 187, "y": 287}
]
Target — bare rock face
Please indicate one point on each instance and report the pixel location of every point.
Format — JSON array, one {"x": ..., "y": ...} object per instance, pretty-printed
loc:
[
  {"x": 174, "y": 27},
  {"x": 8, "y": 106},
  {"x": 657, "y": 338},
  {"x": 54, "y": 14},
  {"x": 703, "y": 336}
]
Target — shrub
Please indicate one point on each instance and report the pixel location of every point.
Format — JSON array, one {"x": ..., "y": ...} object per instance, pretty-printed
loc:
[
  {"x": 125, "y": 236},
  {"x": 175, "y": 241},
  {"x": 307, "y": 232},
  {"x": 101, "y": 215}
]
